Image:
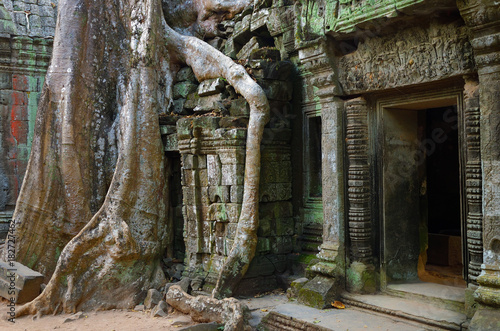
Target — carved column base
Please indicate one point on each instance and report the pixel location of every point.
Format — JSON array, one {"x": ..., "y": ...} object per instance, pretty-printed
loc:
[
  {"x": 362, "y": 278},
  {"x": 487, "y": 316},
  {"x": 331, "y": 263},
  {"x": 488, "y": 293}
]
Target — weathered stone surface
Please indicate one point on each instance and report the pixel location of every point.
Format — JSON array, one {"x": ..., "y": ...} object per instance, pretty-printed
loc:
[
  {"x": 214, "y": 169},
  {"x": 167, "y": 129},
  {"x": 277, "y": 90},
  {"x": 297, "y": 285},
  {"x": 19, "y": 283},
  {"x": 211, "y": 86},
  {"x": 242, "y": 30},
  {"x": 170, "y": 143},
  {"x": 231, "y": 48},
  {"x": 233, "y": 174},
  {"x": 218, "y": 193},
  {"x": 266, "y": 53},
  {"x": 192, "y": 101},
  {"x": 214, "y": 102},
  {"x": 252, "y": 45},
  {"x": 160, "y": 310},
  {"x": 224, "y": 212},
  {"x": 236, "y": 193},
  {"x": 183, "y": 89},
  {"x": 186, "y": 74},
  {"x": 278, "y": 70},
  {"x": 239, "y": 107},
  {"x": 178, "y": 107},
  {"x": 153, "y": 297},
  {"x": 318, "y": 293}
]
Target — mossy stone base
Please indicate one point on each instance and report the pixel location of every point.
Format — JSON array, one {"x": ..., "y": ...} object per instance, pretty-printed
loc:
[
  {"x": 361, "y": 278},
  {"x": 318, "y": 293}
]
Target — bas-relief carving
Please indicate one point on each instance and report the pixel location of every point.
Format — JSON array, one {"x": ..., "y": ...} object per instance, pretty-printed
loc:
[{"x": 416, "y": 55}]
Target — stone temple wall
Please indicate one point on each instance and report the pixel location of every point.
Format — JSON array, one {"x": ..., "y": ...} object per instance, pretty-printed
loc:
[
  {"x": 207, "y": 126},
  {"x": 26, "y": 30}
]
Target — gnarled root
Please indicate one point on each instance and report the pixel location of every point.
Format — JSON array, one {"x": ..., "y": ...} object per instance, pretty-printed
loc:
[{"x": 204, "y": 309}]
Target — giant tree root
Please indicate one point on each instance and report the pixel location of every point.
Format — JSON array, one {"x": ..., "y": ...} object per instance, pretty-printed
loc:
[{"x": 203, "y": 309}]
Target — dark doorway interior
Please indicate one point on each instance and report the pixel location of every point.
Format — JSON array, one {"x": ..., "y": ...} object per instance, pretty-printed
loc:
[{"x": 441, "y": 190}]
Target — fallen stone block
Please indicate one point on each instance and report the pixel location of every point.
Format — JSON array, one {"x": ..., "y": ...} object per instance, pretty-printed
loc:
[
  {"x": 152, "y": 298},
  {"x": 318, "y": 293},
  {"x": 211, "y": 87},
  {"x": 161, "y": 310},
  {"x": 19, "y": 283}
]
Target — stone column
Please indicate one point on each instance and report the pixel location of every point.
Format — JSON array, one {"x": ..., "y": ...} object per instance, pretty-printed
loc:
[
  {"x": 483, "y": 19},
  {"x": 361, "y": 272},
  {"x": 316, "y": 60}
]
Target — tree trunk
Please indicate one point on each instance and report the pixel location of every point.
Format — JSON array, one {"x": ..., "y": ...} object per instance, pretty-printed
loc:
[{"x": 91, "y": 212}]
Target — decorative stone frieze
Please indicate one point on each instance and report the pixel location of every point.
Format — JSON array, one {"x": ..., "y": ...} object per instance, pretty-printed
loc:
[{"x": 413, "y": 56}]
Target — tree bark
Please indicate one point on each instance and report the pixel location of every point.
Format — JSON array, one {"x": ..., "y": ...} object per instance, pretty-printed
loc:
[{"x": 91, "y": 212}]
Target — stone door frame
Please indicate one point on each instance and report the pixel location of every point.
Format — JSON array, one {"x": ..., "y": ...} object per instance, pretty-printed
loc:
[{"x": 424, "y": 100}]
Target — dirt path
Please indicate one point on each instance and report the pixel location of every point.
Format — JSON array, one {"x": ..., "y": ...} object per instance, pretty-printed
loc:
[{"x": 119, "y": 320}]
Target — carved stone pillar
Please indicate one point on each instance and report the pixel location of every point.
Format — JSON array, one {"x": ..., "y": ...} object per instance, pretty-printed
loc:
[
  {"x": 483, "y": 19},
  {"x": 316, "y": 61},
  {"x": 358, "y": 180},
  {"x": 361, "y": 276},
  {"x": 474, "y": 217}
]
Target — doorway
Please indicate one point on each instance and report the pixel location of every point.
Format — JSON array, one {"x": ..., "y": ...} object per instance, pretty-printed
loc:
[
  {"x": 441, "y": 246},
  {"x": 421, "y": 195}
]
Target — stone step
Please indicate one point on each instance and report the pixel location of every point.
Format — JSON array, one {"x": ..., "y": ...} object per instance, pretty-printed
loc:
[
  {"x": 19, "y": 283},
  {"x": 444, "y": 296},
  {"x": 413, "y": 310},
  {"x": 278, "y": 322}
]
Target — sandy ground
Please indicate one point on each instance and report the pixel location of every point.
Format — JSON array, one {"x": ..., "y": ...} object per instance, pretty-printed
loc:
[{"x": 126, "y": 320}]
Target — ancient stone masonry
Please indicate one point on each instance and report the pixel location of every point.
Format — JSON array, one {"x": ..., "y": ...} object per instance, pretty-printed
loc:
[
  {"x": 207, "y": 126},
  {"x": 213, "y": 166},
  {"x": 415, "y": 55},
  {"x": 320, "y": 88},
  {"x": 26, "y": 30}
]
